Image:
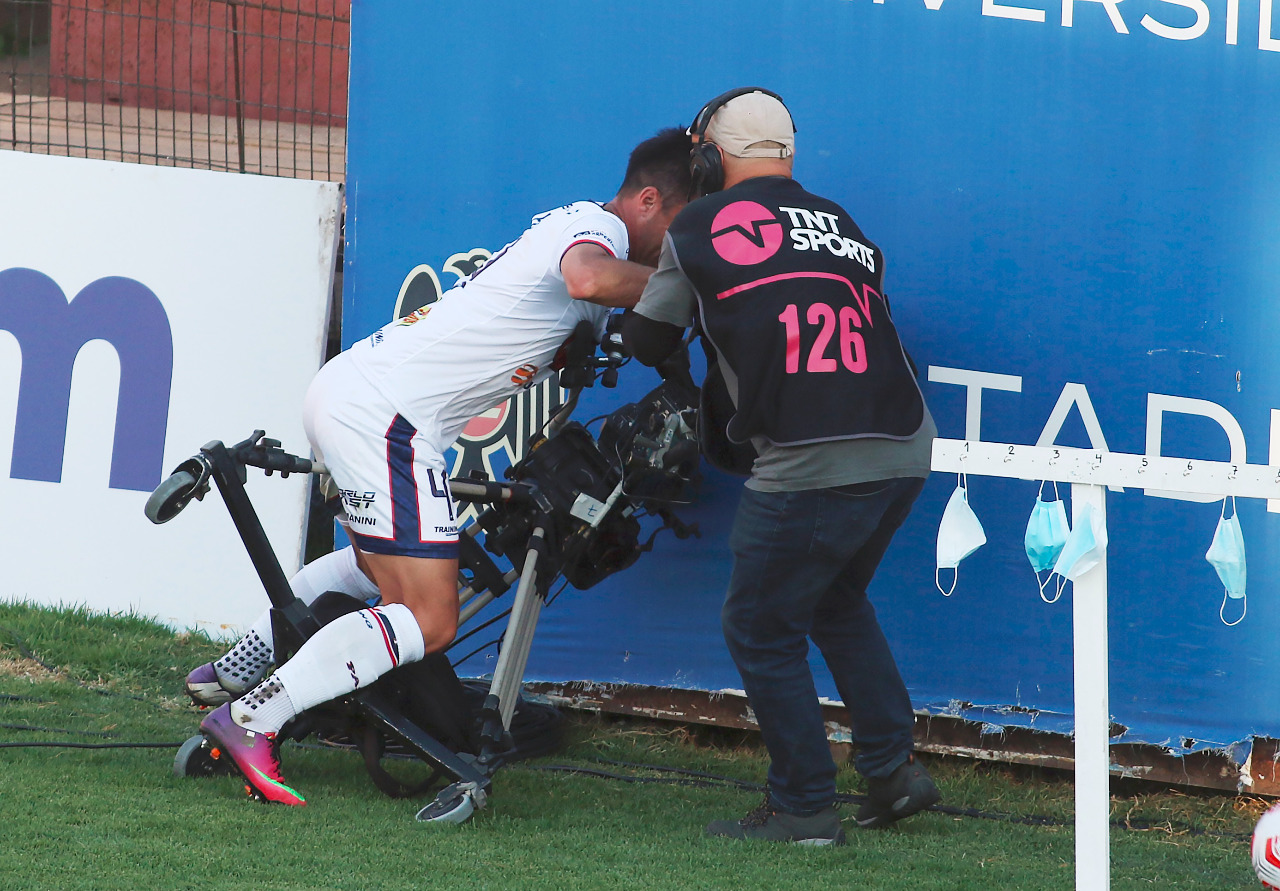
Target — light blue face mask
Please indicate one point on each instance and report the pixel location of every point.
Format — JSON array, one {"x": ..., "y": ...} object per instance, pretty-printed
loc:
[
  {"x": 1047, "y": 532},
  {"x": 1085, "y": 548},
  {"x": 1226, "y": 555}
]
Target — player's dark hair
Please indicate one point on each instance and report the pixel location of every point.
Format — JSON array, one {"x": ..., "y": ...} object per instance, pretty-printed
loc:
[{"x": 661, "y": 161}]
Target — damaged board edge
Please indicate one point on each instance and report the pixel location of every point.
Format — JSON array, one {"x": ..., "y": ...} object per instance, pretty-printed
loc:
[{"x": 1248, "y": 768}]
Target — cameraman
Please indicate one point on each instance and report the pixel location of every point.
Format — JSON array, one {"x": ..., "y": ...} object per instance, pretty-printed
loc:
[
  {"x": 381, "y": 416},
  {"x": 810, "y": 392}
]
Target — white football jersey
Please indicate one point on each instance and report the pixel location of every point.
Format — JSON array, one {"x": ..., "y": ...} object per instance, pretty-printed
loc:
[{"x": 493, "y": 333}]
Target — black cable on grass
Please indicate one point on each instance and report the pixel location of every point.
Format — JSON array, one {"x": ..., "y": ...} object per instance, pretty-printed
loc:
[
  {"x": 25, "y": 650},
  {"x": 676, "y": 775},
  {"x": 699, "y": 779},
  {"x": 679, "y": 776},
  {"x": 662, "y": 768},
  {"x": 33, "y": 729},
  {"x": 575, "y": 770},
  {"x": 75, "y": 745},
  {"x": 53, "y": 669}
]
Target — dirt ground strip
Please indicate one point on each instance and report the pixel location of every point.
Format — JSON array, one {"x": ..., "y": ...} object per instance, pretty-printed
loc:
[{"x": 50, "y": 125}]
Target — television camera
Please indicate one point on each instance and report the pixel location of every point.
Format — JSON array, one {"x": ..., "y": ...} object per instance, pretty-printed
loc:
[{"x": 569, "y": 509}]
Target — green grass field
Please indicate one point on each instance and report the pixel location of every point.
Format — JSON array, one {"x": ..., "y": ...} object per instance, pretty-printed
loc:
[{"x": 108, "y": 818}]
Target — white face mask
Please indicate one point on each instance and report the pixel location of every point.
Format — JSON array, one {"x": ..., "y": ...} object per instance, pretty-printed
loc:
[
  {"x": 1085, "y": 547},
  {"x": 1226, "y": 554},
  {"x": 959, "y": 535}
]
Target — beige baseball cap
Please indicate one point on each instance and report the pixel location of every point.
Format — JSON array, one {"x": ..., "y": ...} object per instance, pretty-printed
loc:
[{"x": 754, "y": 125}]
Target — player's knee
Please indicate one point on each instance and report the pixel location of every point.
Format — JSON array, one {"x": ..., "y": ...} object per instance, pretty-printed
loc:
[
  {"x": 438, "y": 627},
  {"x": 429, "y": 588},
  {"x": 437, "y": 637},
  {"x": 437, "y": 615}
]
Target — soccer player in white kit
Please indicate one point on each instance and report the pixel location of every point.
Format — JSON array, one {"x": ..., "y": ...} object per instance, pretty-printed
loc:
[{"x": 381, "y": 415}]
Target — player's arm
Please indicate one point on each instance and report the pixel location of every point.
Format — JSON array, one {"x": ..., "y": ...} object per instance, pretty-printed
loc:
[{"x": 591, "y": 273}]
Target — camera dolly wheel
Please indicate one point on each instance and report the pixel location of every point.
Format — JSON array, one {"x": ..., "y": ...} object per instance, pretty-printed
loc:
[
  {"x": 198, "y": 758},
  {"x": 454, "y": 804}
]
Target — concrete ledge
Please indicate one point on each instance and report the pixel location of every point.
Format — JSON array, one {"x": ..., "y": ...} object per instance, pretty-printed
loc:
[{"x": 1216, "y": 769}]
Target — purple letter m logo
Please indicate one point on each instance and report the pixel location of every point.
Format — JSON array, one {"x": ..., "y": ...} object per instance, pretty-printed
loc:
[{"x": 50, "y": 332}]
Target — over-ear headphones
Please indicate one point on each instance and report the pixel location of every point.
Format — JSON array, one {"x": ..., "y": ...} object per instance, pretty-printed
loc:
[{"x": 705, "y": 163}]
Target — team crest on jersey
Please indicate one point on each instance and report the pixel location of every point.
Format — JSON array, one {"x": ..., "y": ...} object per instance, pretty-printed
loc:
[
  {"x": 524, "y": 375},
  {"x": 496, "y": 439},
  {"x": 416, "y": 316}
]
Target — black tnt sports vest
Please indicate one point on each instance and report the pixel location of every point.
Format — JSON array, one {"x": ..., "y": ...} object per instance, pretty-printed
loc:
[{"x": 789, "y": 294}]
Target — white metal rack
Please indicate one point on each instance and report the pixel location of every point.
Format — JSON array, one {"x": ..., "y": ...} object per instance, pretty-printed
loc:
[{"x": 1090, "y": 472}]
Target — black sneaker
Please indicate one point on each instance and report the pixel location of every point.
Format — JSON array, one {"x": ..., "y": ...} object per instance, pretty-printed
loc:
[
  {"x": 822, "y": 828},
  {"x": 906, "y": 791}
]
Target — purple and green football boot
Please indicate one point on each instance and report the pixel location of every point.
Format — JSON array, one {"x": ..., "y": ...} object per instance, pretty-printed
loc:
[{"x": 254, "y": 754}]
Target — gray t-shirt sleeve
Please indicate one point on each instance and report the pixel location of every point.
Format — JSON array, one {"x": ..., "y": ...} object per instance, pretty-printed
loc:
[{"x": 669, "y": 297}]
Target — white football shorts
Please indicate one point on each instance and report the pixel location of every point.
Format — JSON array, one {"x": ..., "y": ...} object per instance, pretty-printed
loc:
[{"x": 393, "y": 483}]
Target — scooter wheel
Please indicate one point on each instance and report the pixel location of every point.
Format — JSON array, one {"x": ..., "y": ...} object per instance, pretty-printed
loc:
[
  {"x": 170, "y": 497},
  {"x": 195, "y": 759}
]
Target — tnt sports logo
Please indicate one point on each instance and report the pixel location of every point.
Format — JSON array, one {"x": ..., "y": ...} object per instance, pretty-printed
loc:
[{"x": 745, "y": 233}]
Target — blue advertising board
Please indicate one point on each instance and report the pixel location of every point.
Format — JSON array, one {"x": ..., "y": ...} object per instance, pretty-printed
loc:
[{"x": 1079, "y": 205}]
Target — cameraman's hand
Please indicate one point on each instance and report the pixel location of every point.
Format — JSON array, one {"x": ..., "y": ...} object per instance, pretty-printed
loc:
[
  {"x": 675, "y": 370},
  {"x": 650, "y": 341}
]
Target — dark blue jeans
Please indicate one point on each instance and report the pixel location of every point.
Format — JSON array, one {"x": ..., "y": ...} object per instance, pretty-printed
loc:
[{"x": 801, "y": 565}]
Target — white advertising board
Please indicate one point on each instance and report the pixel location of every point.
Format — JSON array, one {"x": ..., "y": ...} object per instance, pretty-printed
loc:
[{"x": 145, "y": 311}]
